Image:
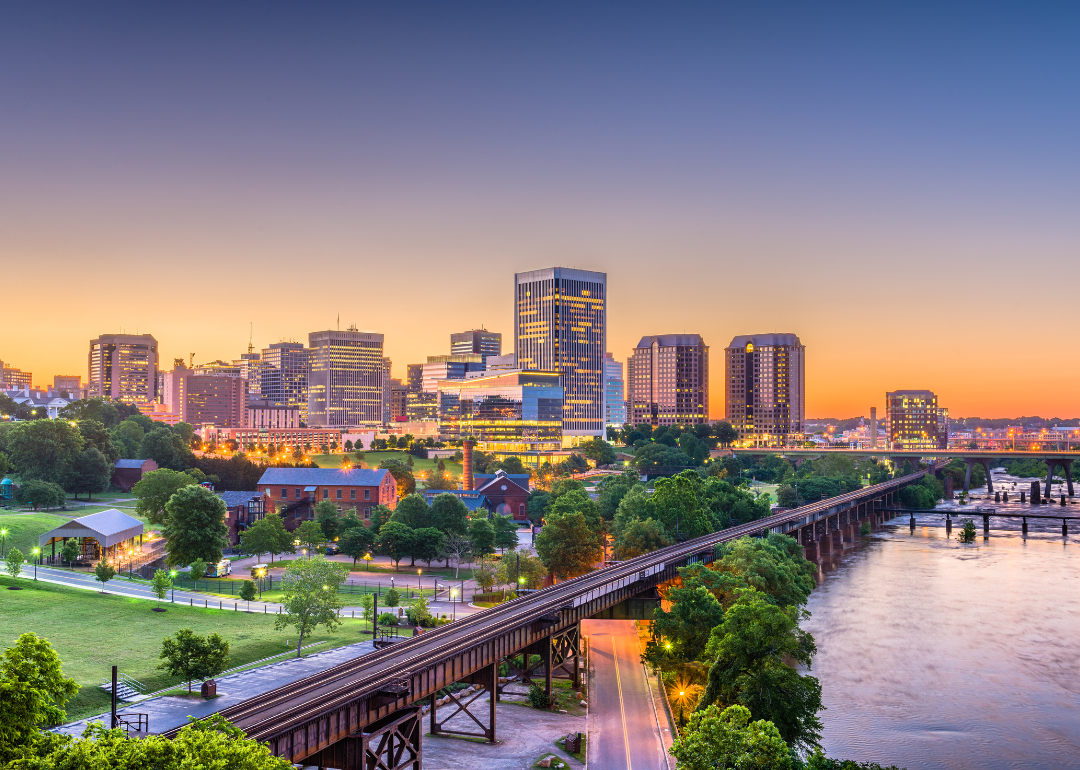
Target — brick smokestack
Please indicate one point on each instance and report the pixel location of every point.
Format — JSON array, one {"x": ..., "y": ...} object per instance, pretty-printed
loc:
[
  {"x": 873, "y": 427},
  {"x": 466, "y": 464}
]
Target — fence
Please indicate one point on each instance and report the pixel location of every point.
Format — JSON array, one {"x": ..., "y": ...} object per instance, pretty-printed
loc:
[{"x": 232, "y": 587}]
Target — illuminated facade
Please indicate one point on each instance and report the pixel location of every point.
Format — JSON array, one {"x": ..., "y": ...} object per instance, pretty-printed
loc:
[
  {"x": 479, "y": 341},
  {"x": 560, "y": 325},
  {"x": 510, "y": 413},
  {"x": 668, "y": 381},
  {"x": 123, "y": 367},
  {"x": 913, "y": 420},
  {"x": 284, "y": 375},
  {"x": 765, "y": 388},
  {"x": 614, "y": 392},
  {"x": 345, "y": 387}
]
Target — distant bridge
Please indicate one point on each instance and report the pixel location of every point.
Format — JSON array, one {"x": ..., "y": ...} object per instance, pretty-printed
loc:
[
  {"x": 985, "y": 457},
  {"x": 366, "y": 713}
]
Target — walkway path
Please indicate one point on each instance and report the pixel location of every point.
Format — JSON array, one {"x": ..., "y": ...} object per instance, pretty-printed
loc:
[
  {"x": 137, "y": 590},
  {"x": 169, "y": 711},
  {"x": 623, "y": 726}
]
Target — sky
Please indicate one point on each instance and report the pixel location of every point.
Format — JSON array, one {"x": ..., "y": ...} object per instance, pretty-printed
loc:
[{"x": 897, "y": 185}]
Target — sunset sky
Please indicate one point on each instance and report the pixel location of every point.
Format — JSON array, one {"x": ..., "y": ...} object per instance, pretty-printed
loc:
[{"x": 899, "y": 187}]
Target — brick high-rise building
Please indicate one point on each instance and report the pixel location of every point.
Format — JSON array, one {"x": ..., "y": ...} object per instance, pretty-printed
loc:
[
  {"x": 205, "y": 399},
  {"x": 765, "y": 387},
  {"x": 668, "y": 381},
  {"x": 345, "y": 383},
  {"x": 398, "y": 401},
  {"x": 123, "y": 367},
  {"x": 560, "y": 325},
  {"x": 913, "y": 420}
]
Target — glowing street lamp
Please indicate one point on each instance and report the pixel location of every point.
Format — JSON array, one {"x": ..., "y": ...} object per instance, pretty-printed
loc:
[
  {"x": 367, "y": 561},
  {"x": 37, "y": 552},
  {"x": 419, "y": 587},
  {"x": 453, "y": 600},
  {"x": 172, "y": 586}
]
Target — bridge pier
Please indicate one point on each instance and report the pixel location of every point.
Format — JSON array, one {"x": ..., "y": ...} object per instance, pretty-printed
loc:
[
  {"x": 825, "y": 546},
  {"x": 395, "y": 741},
  {"x": 488, "y": 679}
]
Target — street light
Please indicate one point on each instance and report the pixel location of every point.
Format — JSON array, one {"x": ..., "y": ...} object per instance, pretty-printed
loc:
[
  {"x": 419, "y": 586},
  {"x": 453, "y": 604},
  {"x": 37, "y": 552},
  {"x": 172, "y": 586}
]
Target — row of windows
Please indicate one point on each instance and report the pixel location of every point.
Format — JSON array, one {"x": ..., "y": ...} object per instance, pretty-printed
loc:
[{"x": 298, "y": 493}]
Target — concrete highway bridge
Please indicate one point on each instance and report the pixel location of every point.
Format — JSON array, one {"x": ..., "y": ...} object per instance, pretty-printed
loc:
[
  {"x": 985, "y": 457},
  {"x": 366, "y": 713}
]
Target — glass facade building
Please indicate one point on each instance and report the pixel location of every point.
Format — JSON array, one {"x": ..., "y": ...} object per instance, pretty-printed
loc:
[
  {"x": 479, "y": 341},
  {"x": 668, "y": 381},
  {"x": 614, "y": 392},
  {"x": 560, "y": 325},
  {"x": 124, "y": 367},
  {"x": 513, "y": 413},
  {"x": 284, "y": 376},
  {"x": 913, "y": 420},
  {"x": 345, "y": 381}
]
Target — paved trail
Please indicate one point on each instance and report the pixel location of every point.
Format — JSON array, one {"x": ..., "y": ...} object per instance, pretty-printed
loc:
[{"x": 623, "y": 730}]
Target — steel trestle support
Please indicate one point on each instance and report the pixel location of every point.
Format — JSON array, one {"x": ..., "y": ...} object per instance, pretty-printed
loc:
[
  {"x": 391, "y": 743},
  {"x": 491, "y": 685}
]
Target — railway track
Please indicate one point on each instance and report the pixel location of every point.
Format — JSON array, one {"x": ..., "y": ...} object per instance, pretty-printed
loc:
[{"x": 262, "y": 717}]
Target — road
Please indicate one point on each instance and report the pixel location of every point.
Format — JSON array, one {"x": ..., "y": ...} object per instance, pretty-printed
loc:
[{"x": 623, "y": 730}]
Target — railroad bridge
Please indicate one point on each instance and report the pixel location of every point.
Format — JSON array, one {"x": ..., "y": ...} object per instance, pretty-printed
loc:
[{"x": 366, "y": 714}]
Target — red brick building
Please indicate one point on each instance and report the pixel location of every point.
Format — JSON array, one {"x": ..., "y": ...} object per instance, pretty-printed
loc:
[
  {"x": 294, "y": 492},
  {"x": 507, "y": 492},
  {"x": 128, "y": 473}
]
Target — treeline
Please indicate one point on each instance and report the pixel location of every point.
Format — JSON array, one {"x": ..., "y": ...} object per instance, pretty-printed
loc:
[{"x": 725, "y": 650}]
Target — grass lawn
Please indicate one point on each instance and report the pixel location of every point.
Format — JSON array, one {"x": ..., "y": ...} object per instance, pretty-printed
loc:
[
  {"x": 23, "y": 529},
  {"x": 93, "y": 631},
  {"x": 373, "y": 459}
]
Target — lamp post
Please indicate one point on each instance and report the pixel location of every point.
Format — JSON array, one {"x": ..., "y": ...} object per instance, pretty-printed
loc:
[
  {"x": 453, "y": 604},
  {"x": 37, "y": 555},
  {"x": 367, "y": 562},
  {"x": 419, "y": 585},
  {"x": 172, "y": 587},
  {"x": 260, "y": 573}
]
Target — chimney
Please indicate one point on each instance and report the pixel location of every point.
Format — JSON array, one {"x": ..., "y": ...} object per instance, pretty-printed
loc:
[
  {"x": 873, "y": 427},
  {"x": 466, "y": 464}
]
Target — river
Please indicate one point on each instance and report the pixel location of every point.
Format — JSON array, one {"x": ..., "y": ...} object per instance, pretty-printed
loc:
[{"x": 934, "y": 654}]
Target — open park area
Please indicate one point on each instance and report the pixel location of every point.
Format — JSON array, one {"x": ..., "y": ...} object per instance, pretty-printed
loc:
[{"x": 93, "y": 631}]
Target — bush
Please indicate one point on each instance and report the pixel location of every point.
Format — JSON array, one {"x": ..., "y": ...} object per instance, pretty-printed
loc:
[
  {"x": 387, "y": 619},
  {"x": 866, "y": 528},
  {"x": 538, "y": 697}
]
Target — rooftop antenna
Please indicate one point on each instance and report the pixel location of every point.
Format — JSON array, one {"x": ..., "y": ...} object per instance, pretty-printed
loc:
[
  {"x": 251, "y": 335},
  {"x": 191, "y": 362},
  {"x": 339, "y": 321}
]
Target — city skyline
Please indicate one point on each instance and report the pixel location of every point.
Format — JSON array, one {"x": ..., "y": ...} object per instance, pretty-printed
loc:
[{"x": 916, "y": 165}]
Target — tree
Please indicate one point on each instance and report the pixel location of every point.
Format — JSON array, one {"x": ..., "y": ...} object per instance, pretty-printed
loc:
[
  {"x": 449, "y": 514},
  {"x": 103, "y": 573},
  {"x": 641, "y": 537},
  {"x": 786, "y": 496},
  {"x": 482, "y": 535},
  {"x": 406, "y": 482},
  {"x": 153, "y": 491},
  {"x": 392, "y": 598},
  {"x": 440, "y": 480},
  {"x": 166, "y": 448},
  {"x": 311, "y": 596},
  {"x": 677, "y": 506},
  {"x": 458, "y": 547},
  {"x": 197, "y": 569},
  {"x": 14, "y": 562},
  {"x": 684, "y": 629},
  {"x": 725, "y": 434},
  {"x": 380, "y": 514},
  {"x": 599, "y": 451},
  {"x": 90, "y": 472},
  {"x": 194, "y": 526},
  {"x": 774, "y": 565},
  {"x": 728, "y": 740},
  {"x": 484, "y": 574},
  {"x": 567, "y": 546},
  {"x": 44, "y": 449},
  {"x": 413, "y": 511},
  {"x": 520, "y": 569},
  {"x": 326, "y": 514},
  {"x": 612, "y": 490},
  {"x": 33, "y": 692},
  {"x": 70, "y": 552},
  {"x": 419, "y": 613},
  {"x": 356, "y": 541},
  {"x": 426, "y": 544},
  {"x": 247, "y": 591},
  {"x": 38, "y": 493},
  {"x": 191, "y": 656},
  {"x": 267, "y": 535},
  {"x": 367, "y": 606},
  {"x": 310, "y": 535},
  {"x": 127, "y": 437},
  {"x": 160, "y": 584},
  {"x": 95, "y": 434},
  {"x": 506, "y": 535},
  {"x": 395, "y": 540},
  {"x": 749, "y": 650}
]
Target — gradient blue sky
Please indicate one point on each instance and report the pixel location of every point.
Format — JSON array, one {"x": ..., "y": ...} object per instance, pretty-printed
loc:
[{"x": 897, "y": 185}]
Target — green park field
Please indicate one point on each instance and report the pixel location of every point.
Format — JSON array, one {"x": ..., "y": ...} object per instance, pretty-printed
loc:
[{"x": 93, "y": 631}]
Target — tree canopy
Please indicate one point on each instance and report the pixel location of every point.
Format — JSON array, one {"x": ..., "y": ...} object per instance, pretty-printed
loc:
[
  {"x": 194, "y": 526},
  {"x": 311, "y": 598}
]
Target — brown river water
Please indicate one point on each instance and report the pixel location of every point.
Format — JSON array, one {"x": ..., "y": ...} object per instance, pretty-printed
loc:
[{"x": 934, "y": 654}]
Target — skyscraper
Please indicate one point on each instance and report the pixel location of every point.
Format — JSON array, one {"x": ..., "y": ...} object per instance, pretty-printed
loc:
[
  {"x": 123, "y": 367},
  {"x": 284, "y": 376},
  {"x": 765, "y": 387},
  {"x": 560, "y": 325},
  {"x": 668, "y": 381},
  {"x": 345, "y": 380},
  {"x": 614, "y": 392},
  {"x": 479, "y": 341},
  {"x": 913, "y": 420}
]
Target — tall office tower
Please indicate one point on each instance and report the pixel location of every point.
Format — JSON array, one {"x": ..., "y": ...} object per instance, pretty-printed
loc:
[
  {"x": 476, "y": 341},
  {"x": 398, "y": 400},
  {"x": 614, "y": 392},
  {"x": 668, "y": 381},
  {"x": 205, "y": 399},
  {"x": 123, "y": 367},
  {"x": 217, "y": 369},
  {"x": 560, "y": 325},
  {"x": 765, "y": 387},
  {"x": 387, "y": 389},
  {"x": 284, "y": 376},
  {"x": 251, "y": 367},
  {"x": 345, "y": 380},
  {"x": 414, "y": 378},
  {"x": 913, "y": 420}
]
